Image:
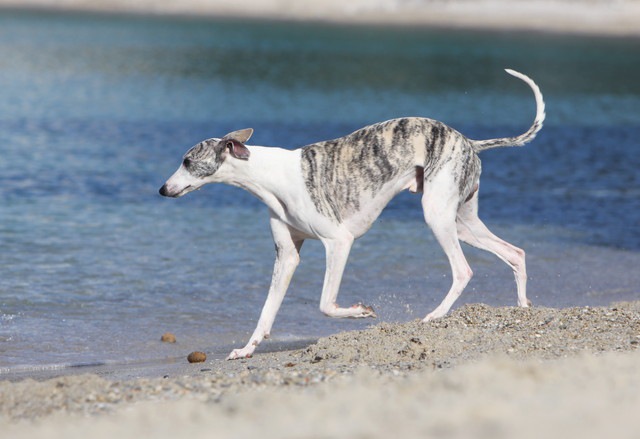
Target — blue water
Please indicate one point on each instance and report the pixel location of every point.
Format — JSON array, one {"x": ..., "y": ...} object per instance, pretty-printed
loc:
[{"x": 96, "y": 112}]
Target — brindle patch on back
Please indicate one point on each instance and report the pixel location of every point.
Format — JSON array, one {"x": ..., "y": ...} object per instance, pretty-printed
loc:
[{"x": 343, "y": 174}]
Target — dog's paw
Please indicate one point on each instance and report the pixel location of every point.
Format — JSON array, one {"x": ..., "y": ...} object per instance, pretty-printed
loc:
[
  {"x": 238, "y": 354},
  {"x": 435, "y": 315},
  {"x": 527, "y": 304},
  {"x": 363, "y": 311}
]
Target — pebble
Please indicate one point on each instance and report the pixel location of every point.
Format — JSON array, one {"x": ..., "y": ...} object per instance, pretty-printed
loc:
[
  {"x": 168, "y": 337},
  {"x": 196, "y": 357}
]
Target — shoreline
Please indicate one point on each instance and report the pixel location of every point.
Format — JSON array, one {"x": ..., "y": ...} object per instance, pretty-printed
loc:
[
  {"x": 541, "y": 333},
  {"x": 574, "y": 17},
  {"x": 504, "y": 369}
]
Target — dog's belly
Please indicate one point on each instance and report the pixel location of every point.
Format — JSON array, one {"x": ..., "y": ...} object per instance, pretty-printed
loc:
[
  {"x": 359, "y": 221},
  {"x": 301, "y": 215}
]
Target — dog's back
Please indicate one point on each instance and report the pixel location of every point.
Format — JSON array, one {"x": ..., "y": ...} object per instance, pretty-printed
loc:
[{"x": 347, "y": 175}]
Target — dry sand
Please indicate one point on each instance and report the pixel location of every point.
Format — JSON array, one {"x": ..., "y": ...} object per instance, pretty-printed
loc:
[
  {"x": 482, "y": 372},
  {"x": 605, "y": 17}
]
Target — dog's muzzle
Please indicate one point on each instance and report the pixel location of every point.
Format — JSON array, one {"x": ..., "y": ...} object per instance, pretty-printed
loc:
[{"x": 164, "y": 191}]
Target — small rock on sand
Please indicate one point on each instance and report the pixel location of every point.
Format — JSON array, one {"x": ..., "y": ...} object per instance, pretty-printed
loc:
[
  {"x": 197, "y": 357},
  {"x": 168, "y": 337}
]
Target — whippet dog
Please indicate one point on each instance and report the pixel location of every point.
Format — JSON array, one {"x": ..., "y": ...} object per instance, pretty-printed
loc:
[{"x": 334, "y": 191}]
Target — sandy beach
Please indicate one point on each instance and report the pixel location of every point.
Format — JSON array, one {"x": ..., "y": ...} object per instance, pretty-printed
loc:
[
  {"x": 598, "y": 17},
  {"x": 481, "y": 371}
]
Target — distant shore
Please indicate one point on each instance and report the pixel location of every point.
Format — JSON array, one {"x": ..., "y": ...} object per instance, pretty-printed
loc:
[
  {"x": 590, "y": 17},
  {"x": 480, "y": 372}
]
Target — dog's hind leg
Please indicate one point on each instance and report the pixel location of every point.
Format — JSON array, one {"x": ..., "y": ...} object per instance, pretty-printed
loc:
[
  {"x": 337, "y": 252},
  {"x": 473, "y": 231},
  {"x": 440, "y": 204},
  {"x": 287, "y": 259}
]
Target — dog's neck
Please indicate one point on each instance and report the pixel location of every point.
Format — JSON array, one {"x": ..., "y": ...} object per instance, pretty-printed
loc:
[{"x": 264, "y": 175}]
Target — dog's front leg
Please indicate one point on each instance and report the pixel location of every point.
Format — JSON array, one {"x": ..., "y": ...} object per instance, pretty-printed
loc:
[
  {"x": 337, "y": 253},
  {"x": 287, "y": 259}
]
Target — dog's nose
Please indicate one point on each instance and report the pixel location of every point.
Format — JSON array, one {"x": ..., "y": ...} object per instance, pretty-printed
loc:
[{"x": 163, "y": 190}]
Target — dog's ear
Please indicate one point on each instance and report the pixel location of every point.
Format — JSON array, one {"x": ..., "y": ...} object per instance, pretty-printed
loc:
[
  {"x": 241, "y": 135},
  {"x": 237, "y": 149},
  {"x": 234, "y": 142}
]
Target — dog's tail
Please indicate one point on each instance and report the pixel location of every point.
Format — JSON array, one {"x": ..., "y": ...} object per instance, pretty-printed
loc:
[{"x": 480, "y": 145}]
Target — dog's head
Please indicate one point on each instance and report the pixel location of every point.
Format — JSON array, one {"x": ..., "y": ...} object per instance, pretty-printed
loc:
[{"x": 202, "y": 162}]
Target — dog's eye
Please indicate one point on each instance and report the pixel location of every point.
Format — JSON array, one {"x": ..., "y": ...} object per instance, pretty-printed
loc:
[{"x": 186, "y": 162}]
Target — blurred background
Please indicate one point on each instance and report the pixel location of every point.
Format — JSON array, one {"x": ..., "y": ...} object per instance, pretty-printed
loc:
[{"x": 97, "y": 109}]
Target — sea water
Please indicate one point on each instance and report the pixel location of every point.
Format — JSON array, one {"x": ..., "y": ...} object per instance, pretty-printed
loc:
[{"x": 96, "y": 112}]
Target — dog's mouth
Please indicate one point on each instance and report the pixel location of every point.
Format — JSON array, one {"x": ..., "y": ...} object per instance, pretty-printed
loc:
[{"x": 166, "y": 192}]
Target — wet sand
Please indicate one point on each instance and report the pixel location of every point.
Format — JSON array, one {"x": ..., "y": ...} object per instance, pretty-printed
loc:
[{"x": 482, "y": 371}]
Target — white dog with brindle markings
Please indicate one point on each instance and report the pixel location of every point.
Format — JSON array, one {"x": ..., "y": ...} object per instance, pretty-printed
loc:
[{"x": 334, "y": 190}]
